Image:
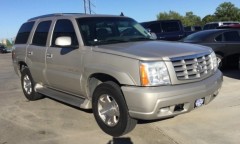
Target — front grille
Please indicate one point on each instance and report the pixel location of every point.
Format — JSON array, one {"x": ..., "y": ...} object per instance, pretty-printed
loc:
[{"x": 192, "y": 67}]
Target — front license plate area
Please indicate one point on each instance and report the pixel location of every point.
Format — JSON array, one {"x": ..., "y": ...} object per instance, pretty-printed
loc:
[{"x": 199, "y": 102}]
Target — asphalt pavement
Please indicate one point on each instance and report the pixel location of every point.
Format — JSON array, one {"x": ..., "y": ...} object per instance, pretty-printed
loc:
[{"x": 49, "y": 122}]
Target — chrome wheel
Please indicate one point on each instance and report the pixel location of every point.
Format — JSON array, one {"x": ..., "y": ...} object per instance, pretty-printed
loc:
[
  {"x": 108, "y": 110},
  {"x": 27, "y": 84}
]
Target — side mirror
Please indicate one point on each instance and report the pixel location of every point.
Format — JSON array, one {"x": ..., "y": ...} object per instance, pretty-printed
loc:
[
  {"x": 153, "y": 36},
  {"x": 63, "y": 41},
  {"x": 149, "y": 30}
]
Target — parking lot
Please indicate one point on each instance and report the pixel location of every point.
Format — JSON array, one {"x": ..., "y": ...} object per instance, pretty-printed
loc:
[{"x": 49, "y": 122}]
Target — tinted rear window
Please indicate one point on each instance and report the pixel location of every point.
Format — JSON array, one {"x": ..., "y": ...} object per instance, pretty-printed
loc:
[
  {"x": 41, "y": 33},
  {"x": 210, "y": 26},
  {"x": 198, "y": 28},
  {"x": 155, "y": 27},
  {"x": 232, "y": 36},
  {"x": 24, "y": 33},
  {"x": 170, "y": 26}
]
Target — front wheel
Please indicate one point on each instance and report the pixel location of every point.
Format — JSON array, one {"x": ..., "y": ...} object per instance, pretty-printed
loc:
[
  {"x": 110, "y": 110},
  {"x": 28, "y": 86}
]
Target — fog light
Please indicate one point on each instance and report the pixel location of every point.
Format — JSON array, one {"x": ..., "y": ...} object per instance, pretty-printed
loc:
[
  {"x": 164, "y": 110},
  {"x": 199, "y": 102}
]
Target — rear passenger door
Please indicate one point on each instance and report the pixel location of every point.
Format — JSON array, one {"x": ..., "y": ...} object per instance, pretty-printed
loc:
[
  {"x": 37, "y": 50},
  {"x": 64, "y": 63},
  {"x": 232, "y": 41}
]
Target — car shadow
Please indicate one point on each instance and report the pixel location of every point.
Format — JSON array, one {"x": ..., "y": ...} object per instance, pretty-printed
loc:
[
  {"x": 121, "y": 140},
  {"x": 152, "y": 121},
  {"x": 231, "y": 73}
]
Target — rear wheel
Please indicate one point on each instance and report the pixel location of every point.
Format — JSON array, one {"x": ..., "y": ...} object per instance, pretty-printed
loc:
[
  {"x": 28, "y": 86},
  {"x": 110, "y": 110}
]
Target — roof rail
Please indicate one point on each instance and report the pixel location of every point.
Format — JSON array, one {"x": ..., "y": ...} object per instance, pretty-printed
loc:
[{"x": 52, "y": 15}]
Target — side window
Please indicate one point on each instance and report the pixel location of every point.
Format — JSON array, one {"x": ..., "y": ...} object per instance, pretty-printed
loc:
[
  {"x": 86, "y": 33},
  {"x": 170, "y": 26},
  {"x": 231, "y": 36},
  {"x": 219, "y": 38},
  {"x": 24, "y": 32},
  {"x": 41, "y": 33},
  {"x": 155, "y": 28},
  {"x": 64, "y": 27},
  {"x": 213, "y": 26},
  {"x": 206, "y": 27}
]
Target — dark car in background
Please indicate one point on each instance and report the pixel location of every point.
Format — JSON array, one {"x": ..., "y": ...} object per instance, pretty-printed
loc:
[
  {"x": 214, "y": 25},
  {"x": 3, "y": 49},
  {"x": 231, "y": 26},
  {"x": 170, "y": 30},
  {"x": 225, "y": 43}
]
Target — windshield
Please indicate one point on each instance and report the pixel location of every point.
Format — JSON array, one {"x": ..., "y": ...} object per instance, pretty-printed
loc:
[{"x": 109, "y": 30}]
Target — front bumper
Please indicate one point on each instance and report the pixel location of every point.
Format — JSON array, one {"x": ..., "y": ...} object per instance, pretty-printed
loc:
[{"x": 150, "y": 103}]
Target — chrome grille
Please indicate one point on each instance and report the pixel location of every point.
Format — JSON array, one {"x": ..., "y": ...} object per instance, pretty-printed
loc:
[{"x": 192, "y": 67}]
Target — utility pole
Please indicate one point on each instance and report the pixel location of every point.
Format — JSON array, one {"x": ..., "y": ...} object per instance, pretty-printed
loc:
[
  {"x": 85, "y": 8},
  {"x": 88, "y": 6}
]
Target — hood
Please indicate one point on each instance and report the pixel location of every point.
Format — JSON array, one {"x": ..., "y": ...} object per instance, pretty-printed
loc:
[{"x": 152, "y": 50}]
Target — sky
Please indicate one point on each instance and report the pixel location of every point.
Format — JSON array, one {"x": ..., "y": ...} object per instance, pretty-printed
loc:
[{"x": 16, "y": 12}]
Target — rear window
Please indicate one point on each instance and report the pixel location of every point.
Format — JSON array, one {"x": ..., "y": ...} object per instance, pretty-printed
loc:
[
  {"x": 24, "y": 32},
  {"x": 170, "y": 26},
  {"x": 198, "y": 28},
  {"x": 210, "y": 26},
  {"x": 41, "y": 33},
  {"x": 155, "y": 27},
  {"x": 232, "y": 36}
]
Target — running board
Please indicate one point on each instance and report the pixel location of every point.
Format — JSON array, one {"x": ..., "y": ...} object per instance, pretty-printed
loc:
[{"x": 64, "y": 97}]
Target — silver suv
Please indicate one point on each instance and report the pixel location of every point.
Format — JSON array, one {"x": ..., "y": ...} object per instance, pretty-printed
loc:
[{"x": 112, "y": 65}]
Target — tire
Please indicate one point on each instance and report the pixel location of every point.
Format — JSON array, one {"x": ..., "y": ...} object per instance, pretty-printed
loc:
[
  {"x": 28, "y": 86},
  {"x": 110, "y": 110}
]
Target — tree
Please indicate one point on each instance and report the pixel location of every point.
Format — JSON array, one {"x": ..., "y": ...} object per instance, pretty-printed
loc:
[
  {"x": 190, "y": 19},
  {"x": 209, "y": 18},
  {"x": 169, "y": 15},
  {"x": 227, "y": 12}
]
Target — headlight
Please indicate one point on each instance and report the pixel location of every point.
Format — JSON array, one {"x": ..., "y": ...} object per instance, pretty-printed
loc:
[
  {"x": 154, "y": 73},
  {"x": 214, "y": 64}
]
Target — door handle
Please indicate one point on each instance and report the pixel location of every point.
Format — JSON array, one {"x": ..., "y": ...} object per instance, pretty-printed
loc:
[
  {"x": 49, "y": 55},
  {"x": 30, "y": 53}
]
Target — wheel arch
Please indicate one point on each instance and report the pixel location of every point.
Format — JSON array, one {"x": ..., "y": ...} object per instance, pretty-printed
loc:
[
  {"x": 220, "y": 53},
  {"x": 97, "y": 78}
]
